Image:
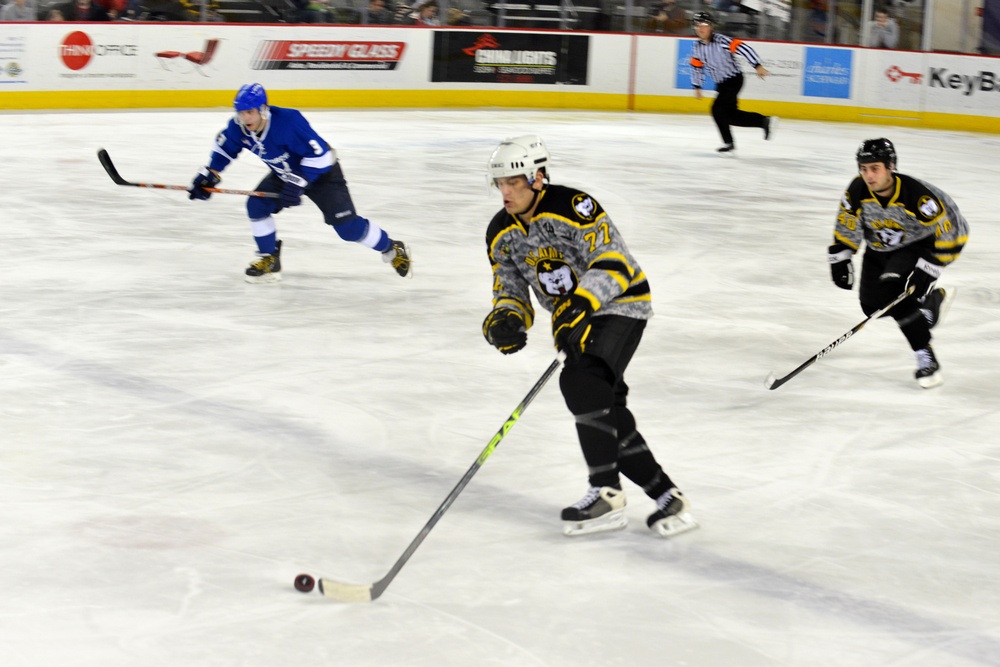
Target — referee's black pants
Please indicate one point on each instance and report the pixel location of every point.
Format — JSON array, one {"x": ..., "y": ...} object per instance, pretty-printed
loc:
[{"x": 726, "y": 110}]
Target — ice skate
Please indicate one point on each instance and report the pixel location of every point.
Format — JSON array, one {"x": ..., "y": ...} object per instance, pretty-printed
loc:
[
  {"x": 399, "y": 257},
  {"x": 770, "y": 125},
  {"x": 267, "y": 269},
  {"x": 671, "y": 516},
  {"x": 727, "y": 148},
  {"x": 928, "y": 369},
  {"x": 935, "y": 305},
  {"x": 603, "y": 508}
]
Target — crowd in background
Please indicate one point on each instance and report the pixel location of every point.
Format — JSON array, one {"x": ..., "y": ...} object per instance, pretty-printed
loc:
[
  {"x": 896, "y": 24},
  {"x": 375, "y": 12}
]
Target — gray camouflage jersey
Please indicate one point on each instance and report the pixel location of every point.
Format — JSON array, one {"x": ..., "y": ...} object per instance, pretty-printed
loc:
[
  {"x": 916, "y": 211},
  {"x": 569, "y": 246}
]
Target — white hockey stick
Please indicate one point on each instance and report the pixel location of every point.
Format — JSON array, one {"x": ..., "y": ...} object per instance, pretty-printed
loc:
[
  {"x": 367, "y": 592},
  {"x": 773, "y": 382}
]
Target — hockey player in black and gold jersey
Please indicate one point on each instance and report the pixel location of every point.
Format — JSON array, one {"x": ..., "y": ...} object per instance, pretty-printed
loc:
[
  {"x": 911, "y": 231},
  {"x": 560, "y": 244}
]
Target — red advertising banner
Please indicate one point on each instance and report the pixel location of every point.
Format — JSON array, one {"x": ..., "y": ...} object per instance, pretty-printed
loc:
[{"x": 315, "y": 55}]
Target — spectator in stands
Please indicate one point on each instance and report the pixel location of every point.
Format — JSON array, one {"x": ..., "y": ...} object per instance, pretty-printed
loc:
[
  {"x": 666, "y": 16},
  {"x": 427, "y": 13},
  {"x": 113, "y": 8},
  {"x": 377, "y": 14},
  {"x": 83, "y": 10},
  {"x": 165, "y": 10},
  {"x": 315, "y": 11},
  {"x": 191, "y": 9},
  {"x": 19, "y": 10},
  {"x": 818, "y": 18},
  {"x": 55, "y": 15},
  {"x": 883, "y": 32},
  {"x": 734, "y": 7},
  {"x": 456, "y": 16}
]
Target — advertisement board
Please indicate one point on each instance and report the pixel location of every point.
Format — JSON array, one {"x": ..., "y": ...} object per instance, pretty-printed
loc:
[
  {"x": 783, "y": 61},
  {"x": 828, "y": 72},
  {"x": 53, "y": 65},
  {"x": 13, "y": 51},
  {"x": 510, "y": 57},
  {"x": 895, "y": 79}
]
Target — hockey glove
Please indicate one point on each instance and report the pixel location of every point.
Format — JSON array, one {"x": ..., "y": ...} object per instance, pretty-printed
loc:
[
  {"x": 841, "y": 266},
  {"x": 504, "y": 329},
  {"x": 923, "y": 278},
  {"x": 571, "y": 323},
  {"x": 206, "y": 178},
  {"x": 291, "y": 192}
]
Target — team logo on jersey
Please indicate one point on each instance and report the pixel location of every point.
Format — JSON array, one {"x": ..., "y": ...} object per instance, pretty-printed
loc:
[
  {"x": 928, "y": 207},
  {"x": 556, "y": 277},
  {"x": 584, "y": 206}
]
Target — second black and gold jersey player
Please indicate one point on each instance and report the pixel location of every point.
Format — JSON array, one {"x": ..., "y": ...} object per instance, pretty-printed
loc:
[
  {"x": 911, "y": 231},
  {"x": 560, "y": 244}
]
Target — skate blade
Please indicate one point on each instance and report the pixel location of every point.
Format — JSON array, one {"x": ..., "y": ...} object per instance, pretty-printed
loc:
[
  {"x": 674, "y": 525},
  {"x": 265, "y": 279},
  {"x": 608, "y": 522},
  {"x": 931, "y": 381}
]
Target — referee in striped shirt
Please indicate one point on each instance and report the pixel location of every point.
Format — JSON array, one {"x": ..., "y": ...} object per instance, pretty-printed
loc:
[{"x": 716, "y": 53}]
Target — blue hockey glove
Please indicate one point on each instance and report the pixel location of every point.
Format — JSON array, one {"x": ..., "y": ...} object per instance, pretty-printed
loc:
[
  {"x": 291, "y": 193},
  {"x": 923, "y": 278},
  {"x": 571, "y": 323},
  {"x": 206, "y": 178},
  {"x": 841, "y": 266},
  {"x": 504, "y": 329}
]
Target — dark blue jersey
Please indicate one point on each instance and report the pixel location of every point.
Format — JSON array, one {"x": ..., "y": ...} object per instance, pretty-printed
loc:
[{"x": 288, "y": 145}]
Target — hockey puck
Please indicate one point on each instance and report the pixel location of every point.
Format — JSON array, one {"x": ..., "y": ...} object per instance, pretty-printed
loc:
[{"x": 304, "y": 583}]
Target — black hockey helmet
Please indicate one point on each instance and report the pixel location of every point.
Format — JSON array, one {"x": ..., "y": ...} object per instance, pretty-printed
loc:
[
  {"x": 877, "y": 150},
  {"x": 702, "y": 17}
]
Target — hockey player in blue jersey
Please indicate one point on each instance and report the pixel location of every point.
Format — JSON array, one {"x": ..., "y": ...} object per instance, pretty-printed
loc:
[{"x": 301, "y": 163}]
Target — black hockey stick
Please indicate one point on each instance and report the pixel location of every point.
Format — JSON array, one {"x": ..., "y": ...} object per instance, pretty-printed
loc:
[
  {"x": 367, "y": 592},
  {"x": 774, "y": 382},
  {"x": 109, "y": 167}
]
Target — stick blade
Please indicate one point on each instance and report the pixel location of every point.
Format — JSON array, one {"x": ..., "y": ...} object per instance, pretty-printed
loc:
[
  {"x": 109, "y": 167},
  {"x": 771, "y": 382},
  {"x": 341, "y": 592}
]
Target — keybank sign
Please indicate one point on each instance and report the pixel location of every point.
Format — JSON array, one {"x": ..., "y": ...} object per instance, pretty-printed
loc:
[{"x": 942, "y": 77}]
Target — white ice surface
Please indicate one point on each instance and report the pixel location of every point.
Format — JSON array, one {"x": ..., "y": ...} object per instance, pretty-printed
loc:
[{"x": 176, "y": 445}]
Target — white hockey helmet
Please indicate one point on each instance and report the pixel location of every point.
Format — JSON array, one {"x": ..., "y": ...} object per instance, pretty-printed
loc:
[{"x": 519, "y": 156}]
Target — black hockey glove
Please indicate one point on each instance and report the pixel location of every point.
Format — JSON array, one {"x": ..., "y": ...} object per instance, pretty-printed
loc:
[
  {"x": 504, "y": 329},
  {"x": 571, "y": 323},
  {"x": 291, "y": 193},
  {"x": 206, "y": 178},
  {"x": 923, "y": 278},
  {"x": 841, "y": 266}
]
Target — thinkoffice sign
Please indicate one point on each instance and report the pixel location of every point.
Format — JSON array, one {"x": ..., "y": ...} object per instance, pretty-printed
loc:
[{"x": 510, "y": 57}]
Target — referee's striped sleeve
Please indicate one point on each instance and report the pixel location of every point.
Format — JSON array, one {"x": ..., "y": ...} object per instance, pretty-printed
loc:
[{"x": 745, "y": 50}]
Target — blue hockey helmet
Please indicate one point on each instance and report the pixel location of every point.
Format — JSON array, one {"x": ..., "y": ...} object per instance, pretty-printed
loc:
[{"x": 250, "y": 96}]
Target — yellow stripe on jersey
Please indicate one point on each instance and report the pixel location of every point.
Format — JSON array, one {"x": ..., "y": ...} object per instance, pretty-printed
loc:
[
  {"x": 840, "y": 238},
  {"x": 594, "y": 301}
]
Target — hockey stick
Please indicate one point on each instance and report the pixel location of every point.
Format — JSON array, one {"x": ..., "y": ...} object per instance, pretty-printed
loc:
[
  {"x": 109, "y": 167},
  {"x": 367, "y": 592},
  {"x": 773, "y": 382}
]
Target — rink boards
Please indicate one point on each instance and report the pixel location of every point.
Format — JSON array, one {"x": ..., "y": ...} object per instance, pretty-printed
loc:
[{"x": 136, "y": 65}]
